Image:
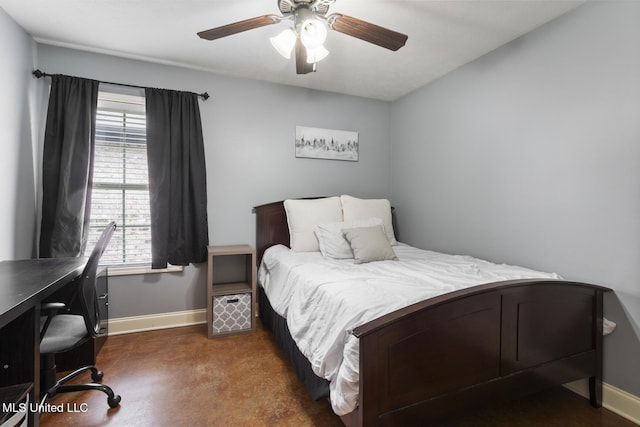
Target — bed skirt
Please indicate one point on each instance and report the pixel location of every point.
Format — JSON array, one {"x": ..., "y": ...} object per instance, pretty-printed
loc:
[{"x": 317, "y": 387}]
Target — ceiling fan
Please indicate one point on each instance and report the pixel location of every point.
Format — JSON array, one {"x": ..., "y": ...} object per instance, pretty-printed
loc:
[{"x": 310, "y": 22}]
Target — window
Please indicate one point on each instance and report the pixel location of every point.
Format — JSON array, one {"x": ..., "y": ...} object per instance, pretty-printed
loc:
[{"x": 120, "y": 189}]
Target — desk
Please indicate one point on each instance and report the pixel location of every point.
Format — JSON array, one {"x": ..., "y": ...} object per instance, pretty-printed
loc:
[{"x": 24, "y": 284}]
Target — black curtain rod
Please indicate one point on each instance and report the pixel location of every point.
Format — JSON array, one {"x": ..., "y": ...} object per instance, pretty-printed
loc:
[{"x": 40, "y": 74}]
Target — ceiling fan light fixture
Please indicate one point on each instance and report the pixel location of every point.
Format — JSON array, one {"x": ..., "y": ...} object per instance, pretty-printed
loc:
[
  {"x": 315, "y": 54},
  {"x": 313, "y": 33},
  {"x": 284, "y": 42},
  {"x": 311, "y": 22}
]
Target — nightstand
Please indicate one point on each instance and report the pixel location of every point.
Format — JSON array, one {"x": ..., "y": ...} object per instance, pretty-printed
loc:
[{"x": 231, "y": 290}]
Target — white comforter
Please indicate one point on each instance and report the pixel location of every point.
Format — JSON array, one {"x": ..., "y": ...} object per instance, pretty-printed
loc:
[{"x": 324, "y": 299}]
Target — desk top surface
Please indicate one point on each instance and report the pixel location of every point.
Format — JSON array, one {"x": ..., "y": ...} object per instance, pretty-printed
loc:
[{"x": 23, "y": 283}]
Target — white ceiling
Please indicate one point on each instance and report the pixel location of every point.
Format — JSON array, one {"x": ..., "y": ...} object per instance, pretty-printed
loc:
[{"x": 443, "y": 35}]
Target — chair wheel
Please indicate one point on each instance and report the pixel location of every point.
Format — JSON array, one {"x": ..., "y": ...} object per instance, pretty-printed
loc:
[
  {"x": 97, "y": 376},
  {"x": 114, "y": 402}
]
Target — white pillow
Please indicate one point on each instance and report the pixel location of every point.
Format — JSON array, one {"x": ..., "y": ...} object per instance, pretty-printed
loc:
[
  {"x": 304, "y": 215},
  {"x": 369, "y": 244},
  {"x": 354, "y": 208},
  {"x": 332, "y": 241}
]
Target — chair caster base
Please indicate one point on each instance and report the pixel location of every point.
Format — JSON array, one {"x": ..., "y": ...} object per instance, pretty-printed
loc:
[
  {"x": 96, "y": 376},
  {"x": 114, "y": 402}
]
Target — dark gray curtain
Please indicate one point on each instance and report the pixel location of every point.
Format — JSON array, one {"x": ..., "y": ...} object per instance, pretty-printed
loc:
[
  {"x": 177, "y": 178},
  {"x": 67, "y": 166}
]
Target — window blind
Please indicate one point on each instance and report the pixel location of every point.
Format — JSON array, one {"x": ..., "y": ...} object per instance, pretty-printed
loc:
[{"x": 120, "y": 189}]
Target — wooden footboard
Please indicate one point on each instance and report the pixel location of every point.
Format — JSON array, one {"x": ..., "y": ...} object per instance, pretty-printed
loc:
[{"x": 475, "y": 348}]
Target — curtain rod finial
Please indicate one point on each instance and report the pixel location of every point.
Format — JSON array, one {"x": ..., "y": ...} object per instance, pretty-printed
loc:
[
  {"x": 38, "y": 74},
  {"x": 205, "y": 96}
]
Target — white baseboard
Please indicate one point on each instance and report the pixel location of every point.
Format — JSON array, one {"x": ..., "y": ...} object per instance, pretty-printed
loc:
[
  {"x": 619, "y": 401},
  {"x": 127, "y": 325}
]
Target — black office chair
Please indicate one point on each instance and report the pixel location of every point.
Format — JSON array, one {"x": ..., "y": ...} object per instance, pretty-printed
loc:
[{"x": 64, "y": 332}]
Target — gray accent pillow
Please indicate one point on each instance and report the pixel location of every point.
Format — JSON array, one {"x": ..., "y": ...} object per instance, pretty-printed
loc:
[
  {"x": 369, "y": 244},
  {"x": 332, "y": 241}
]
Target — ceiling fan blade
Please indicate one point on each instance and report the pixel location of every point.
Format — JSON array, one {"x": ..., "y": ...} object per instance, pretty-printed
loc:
[
  {"x": 366, "y": 31},
  {"x": 302, "y": 66},
  {"x": 238, "y": 27}
]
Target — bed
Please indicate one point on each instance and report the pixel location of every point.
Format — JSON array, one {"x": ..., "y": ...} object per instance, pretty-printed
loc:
[{"x": 438, "y": 359}]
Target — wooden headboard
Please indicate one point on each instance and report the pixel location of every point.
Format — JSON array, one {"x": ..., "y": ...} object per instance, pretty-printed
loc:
[{"x": 271, "y": 227}]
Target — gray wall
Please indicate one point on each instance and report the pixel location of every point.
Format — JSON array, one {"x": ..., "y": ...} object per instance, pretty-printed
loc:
[
  {"x": 17, "y": 128},
  {"x": 249, "y": 129},
  {"x": 531, "y": 155}
]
